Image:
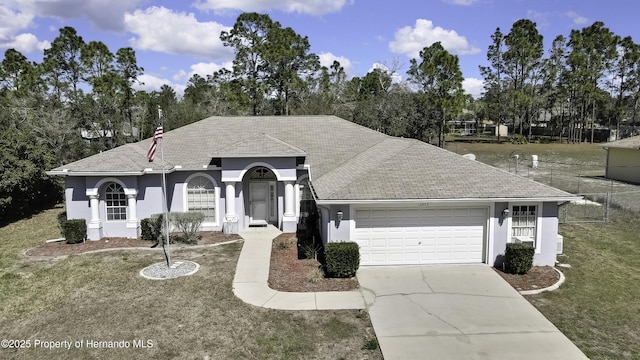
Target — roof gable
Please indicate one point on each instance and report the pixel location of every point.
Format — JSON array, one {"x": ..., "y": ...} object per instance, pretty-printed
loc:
[{"x": 260, "y": 145}]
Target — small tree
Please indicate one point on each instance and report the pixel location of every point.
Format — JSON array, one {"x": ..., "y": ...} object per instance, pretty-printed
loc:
[{"x": 189, "y": 224}]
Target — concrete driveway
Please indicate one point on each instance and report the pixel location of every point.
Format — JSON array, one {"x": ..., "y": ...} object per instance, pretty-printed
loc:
[{"x": 457, "y": 312}]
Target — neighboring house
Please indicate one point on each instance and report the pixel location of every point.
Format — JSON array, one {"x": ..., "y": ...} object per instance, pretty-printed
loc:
[
  {"x": 623, "y": 159},
  {"x": 402, "y": 200}
]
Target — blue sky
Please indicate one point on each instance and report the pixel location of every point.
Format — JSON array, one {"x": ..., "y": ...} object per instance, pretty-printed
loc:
[{"x": 175, "y": 39}]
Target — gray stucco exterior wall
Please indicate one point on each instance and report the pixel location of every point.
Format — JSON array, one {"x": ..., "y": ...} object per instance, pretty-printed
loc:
[
  {"x": 548, "y": 229},
  {"x": 338, "y": 230},
  {"x": 500, "y": 235},
  {"x": 76, "y": 199},
  {"x": 549, "y": 236}
]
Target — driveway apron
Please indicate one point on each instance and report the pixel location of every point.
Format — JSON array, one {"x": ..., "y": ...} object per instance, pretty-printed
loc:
[{"x": 457, "y": 312}]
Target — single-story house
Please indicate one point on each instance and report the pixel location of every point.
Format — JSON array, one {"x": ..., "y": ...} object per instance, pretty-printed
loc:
[
  {"x": 623, "y": 159},
  {"x": 402, "y": 200}
]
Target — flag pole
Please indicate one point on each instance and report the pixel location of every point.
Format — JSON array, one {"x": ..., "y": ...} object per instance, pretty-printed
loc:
[{"x": 165, "y": 206}]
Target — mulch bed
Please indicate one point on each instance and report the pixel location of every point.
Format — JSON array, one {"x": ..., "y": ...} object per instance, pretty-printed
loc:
[
  {"x": 288, "y": 273},
  {"x": 539, "y": 277},
  {"x": 61, "y": 248}
]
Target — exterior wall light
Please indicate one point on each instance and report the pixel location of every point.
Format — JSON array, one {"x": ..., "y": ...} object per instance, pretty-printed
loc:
[
  {"x": 505, "y": 213},
  {"x": 339, "y": 216}
]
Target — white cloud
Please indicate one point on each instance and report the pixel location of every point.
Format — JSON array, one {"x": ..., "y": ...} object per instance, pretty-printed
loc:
[
  {"x": 178, "y": 81},
  {"x": 461, "y": 2},
  {"x": 151, "y": 83},
  {"x": 541, "y": 18},
  {"x": 160, "y": 29},
  {"x": 411, "y": 40},
  {"x": 395, "y": 77},
  {"x": 26, "y": 43},
  {"x": 577, "y": 19},
  {"x": 202, "y": 69},
  {"x": 102, "y": 14},
  {"x": 473, "y": 86},
  {"x": 313, "y": 7},
  {"x": 12, "y": 21},
  {"x": 327, "y": 59}
]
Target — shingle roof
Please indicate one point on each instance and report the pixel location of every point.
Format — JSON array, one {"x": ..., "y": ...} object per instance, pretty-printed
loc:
[
  {"x": 261, "y": 145},
  {"x": 629, "y": 143},
  {"x": 346, "y": 161}
]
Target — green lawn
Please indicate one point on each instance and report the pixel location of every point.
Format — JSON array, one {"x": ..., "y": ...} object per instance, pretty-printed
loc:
[
  {"x": 100, "y": 297},
  {"x": 598, "y": 307}
]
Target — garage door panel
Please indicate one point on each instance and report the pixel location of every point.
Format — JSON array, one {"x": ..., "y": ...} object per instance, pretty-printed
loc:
[{"x": 420, "y": 236}]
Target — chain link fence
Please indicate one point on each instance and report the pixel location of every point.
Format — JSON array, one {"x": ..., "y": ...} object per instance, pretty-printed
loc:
[{"x": 603, "y": 199}]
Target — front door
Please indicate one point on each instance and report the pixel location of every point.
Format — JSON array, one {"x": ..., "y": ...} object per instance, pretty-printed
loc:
[{"x": 258, "y": 203}]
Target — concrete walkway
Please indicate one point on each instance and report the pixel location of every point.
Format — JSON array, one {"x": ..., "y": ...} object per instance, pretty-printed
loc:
[{"x": 250, "y": 283}]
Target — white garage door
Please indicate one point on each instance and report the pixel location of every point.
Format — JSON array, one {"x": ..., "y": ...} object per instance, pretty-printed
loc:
[{"x": 420, "y": 236}]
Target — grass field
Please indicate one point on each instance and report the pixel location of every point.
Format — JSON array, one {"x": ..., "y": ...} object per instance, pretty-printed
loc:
[
  {"x": 100, "y": 297},
  {"x": 581, "y": 158},
  {"x": 598, "y": 307}
]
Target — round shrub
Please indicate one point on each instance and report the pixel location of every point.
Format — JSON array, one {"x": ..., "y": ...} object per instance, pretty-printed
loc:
[
  {"x": 342, "y": 259},
  {"x": 518, "y": 258},
  {"x": 74, "y": 230}
]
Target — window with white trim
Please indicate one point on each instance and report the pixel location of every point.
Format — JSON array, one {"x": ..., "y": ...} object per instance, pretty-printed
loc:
[
  {"x": 201, "y": 196},
  {"x": 115, "y": 202},
  {"x": 524, "y": 222}
]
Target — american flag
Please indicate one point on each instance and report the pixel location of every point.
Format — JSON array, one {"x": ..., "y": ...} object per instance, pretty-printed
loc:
[{"x": 156, "y": 136}]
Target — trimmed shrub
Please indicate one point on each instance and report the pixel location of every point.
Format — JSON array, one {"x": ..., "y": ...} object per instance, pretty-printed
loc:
[
  {"x": 518, "y": 258},
  {"x": 342, "y": 259},
  {"x": 189, "y": 224},
  {"x": 74, "y": 230}
]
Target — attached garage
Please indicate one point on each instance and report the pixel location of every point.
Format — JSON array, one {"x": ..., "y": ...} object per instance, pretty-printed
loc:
[{"x": 420, "y": 236}]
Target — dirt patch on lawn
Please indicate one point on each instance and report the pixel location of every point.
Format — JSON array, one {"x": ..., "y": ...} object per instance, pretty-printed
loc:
[
  {"x": 539, "y": 277},
  {"x": 288, "y": 273},
  {"x": 61, "y": 248}
]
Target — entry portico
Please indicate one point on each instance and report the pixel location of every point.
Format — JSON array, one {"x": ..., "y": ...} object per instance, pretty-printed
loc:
[{"x": 259, "y": 174}]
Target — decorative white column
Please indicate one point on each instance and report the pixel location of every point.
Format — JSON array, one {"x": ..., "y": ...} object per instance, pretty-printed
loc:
[
  {"x": 94, "y": 227},
  {"x": 289, "y": 220},
  {"x": 289, "y": 210},
  {"x": 132, "y": 218},
  {"x": 230, "y": 218},
  {"x": 230, "y": 200},
  {"x": 95, "y": 213}
]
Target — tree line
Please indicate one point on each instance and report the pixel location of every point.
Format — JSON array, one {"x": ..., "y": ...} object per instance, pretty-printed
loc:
[{"x": 590, "y": 79}]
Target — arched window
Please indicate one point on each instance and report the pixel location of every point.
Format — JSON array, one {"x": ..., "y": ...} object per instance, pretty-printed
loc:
[
  {"x": 201, "y": 196},
  {"x": 262, "y": 173},
  {"x": 115, "y": 202}
]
